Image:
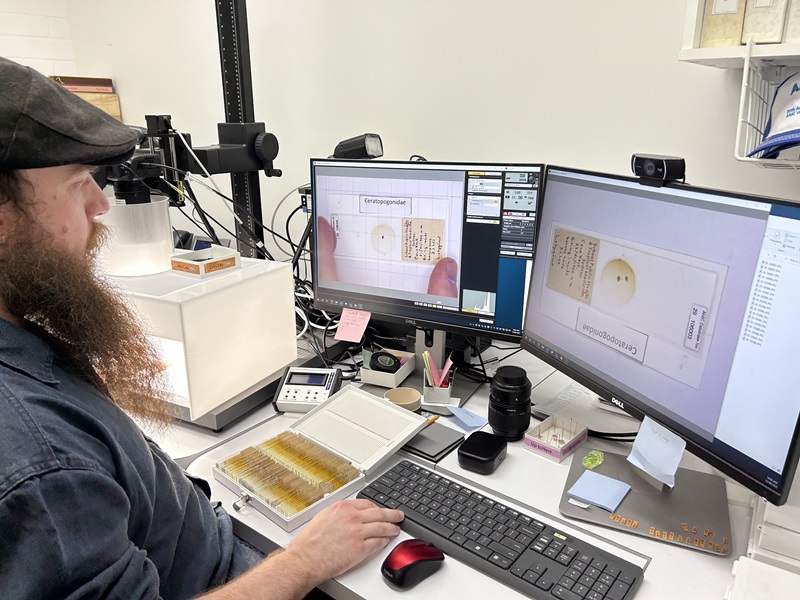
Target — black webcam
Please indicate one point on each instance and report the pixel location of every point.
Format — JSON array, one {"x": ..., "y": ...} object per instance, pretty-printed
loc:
[{"x": 656, "y": 170}]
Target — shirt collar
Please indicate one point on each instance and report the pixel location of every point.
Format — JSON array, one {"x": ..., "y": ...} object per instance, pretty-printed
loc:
[{"x": 24, "y": 351}]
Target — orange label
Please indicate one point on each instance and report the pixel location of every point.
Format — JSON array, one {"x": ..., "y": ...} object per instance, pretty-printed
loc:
[
  {"x": 219, "y": 265},
  {"x": 185, "y": 267}
]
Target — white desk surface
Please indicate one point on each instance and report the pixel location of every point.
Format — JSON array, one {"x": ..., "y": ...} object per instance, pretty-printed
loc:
[{"x": 531, "y": 482}]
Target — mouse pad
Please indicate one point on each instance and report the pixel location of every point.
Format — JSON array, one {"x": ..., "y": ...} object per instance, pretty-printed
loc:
[{"x": 434, "y": 442}]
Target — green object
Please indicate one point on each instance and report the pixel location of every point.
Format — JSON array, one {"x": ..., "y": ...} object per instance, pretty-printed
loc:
[{"x": 593, "y": 459}]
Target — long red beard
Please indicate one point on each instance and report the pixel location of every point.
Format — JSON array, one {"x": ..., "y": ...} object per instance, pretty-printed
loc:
[{"x": 93, "y": 328}]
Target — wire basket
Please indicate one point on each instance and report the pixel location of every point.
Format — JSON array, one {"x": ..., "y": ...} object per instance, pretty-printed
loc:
[{"x": 759, "y": 82}]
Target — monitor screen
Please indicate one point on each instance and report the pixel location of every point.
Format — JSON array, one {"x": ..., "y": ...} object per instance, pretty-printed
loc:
[
  {"x": 681, "y": 304},
  {"x": 440, "y": 245}
]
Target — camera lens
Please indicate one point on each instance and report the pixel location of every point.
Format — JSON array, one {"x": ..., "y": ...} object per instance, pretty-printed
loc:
[
  {"x": 649, "y": 168},
  {"x": 510, "y": 403}
]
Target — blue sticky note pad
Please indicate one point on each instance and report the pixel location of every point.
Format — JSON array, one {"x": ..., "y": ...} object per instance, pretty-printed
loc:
[
  {"x": 599, "y": 490},
  {"x": 469, "y": 420}
]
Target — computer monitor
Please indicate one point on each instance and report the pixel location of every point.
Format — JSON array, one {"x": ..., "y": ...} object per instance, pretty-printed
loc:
[
  {"x": 681, "y": 304},
  {"x": 445, "y": 247}
]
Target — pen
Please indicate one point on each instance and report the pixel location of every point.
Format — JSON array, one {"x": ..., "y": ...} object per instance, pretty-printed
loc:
[{"x": 431, "y": 420}]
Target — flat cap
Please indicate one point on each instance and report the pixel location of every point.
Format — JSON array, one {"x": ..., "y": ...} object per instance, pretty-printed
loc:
[{"x": 42, "y": 124}]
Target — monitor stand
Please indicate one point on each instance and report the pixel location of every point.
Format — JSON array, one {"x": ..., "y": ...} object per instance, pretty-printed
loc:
[
  {"x": 693, "y": 514},
  {"x": 432, "y": 340}
]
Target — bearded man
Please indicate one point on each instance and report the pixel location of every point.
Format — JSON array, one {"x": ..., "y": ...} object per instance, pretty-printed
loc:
[{"x": 89, "y": 506}]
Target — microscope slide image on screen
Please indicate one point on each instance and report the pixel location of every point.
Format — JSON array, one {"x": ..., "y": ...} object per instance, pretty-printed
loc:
[
  {"x": 655, "y": 306},
  {"x": 393, "y": 236}
]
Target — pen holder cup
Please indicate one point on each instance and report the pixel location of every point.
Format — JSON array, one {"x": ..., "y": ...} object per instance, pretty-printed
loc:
[{"x": 436, "y": 395}]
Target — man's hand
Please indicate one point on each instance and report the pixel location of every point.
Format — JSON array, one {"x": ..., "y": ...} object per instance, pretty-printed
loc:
[
  {"x": 444, "y": 279},
  {"x": 344, "y": 535},
  {"x": 326, "y": 244},
  {"x": 337, "y": 539}
]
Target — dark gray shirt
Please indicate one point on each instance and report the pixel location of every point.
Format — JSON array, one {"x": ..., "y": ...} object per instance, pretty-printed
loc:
[{"x": 89, "y": 507}]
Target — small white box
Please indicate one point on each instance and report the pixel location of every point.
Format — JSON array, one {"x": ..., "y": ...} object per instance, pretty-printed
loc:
[
  {"x": 555, "y": 437},
  {"x": 390, "y": 380},
  {"x": 208, "y": 261},
  {"x": 352, "y": 424},
  {"x": 435, "y": 395}
]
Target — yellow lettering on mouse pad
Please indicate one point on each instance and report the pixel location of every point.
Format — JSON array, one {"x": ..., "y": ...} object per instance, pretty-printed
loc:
[
  {"x": 573, "y": 261},
  {"x": 423, "y": 240}
]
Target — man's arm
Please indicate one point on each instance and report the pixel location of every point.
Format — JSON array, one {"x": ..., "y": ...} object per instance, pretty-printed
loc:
[
  {"x": 64, "y": 534},
  {"x": 337, "y": 539}
]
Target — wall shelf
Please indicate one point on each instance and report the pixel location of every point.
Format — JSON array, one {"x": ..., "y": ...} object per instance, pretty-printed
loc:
[
  {"x": 731, "y": 57},
  {"x": 764, "y": 67}
]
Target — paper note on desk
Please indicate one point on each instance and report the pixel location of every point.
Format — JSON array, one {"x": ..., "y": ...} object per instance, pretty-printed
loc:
[
  {"x": 352, "y": 325},
  {"x": 657, "y": 451},
  {"x": 599, "y": 490},
  {"x": 468, "y": 420}
]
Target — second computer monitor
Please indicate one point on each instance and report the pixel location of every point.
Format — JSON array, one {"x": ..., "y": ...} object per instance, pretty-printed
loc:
[{"x": 440, "y": 245}]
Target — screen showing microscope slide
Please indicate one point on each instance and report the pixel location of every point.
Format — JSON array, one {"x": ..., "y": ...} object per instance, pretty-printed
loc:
[
  {"x": 444, "y": 245},
  {"x": 681, "y": 303}
]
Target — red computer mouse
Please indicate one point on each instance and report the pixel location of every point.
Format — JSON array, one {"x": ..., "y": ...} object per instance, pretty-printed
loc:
[{"x": 410, "y": 562}]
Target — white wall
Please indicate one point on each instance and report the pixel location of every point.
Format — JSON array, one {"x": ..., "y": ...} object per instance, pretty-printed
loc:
[
  {"x": 36, "y": 33},
  {"x": 582, "y": 83}
]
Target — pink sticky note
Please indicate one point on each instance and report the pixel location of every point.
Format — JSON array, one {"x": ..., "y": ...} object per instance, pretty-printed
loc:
[
  {"x": 352, "y": 325},
  {"x": 445, "y": 370}
]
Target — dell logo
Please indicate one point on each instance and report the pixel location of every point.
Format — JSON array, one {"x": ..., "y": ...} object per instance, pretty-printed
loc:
[
  {"x": 617, "y": 402},
  {"x": 410, "y": 321}
]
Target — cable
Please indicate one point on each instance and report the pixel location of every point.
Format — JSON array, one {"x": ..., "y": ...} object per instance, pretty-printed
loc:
[
  {"x": 191, "y": 176},
  {"x": 274, "y": 214},
  {"x": 202, "y": 166},
  {"x": 221, "y": 226}
]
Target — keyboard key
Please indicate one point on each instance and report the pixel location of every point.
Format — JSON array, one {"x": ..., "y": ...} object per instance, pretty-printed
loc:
[
  {"x": 480, "y": 550},
  {"x": 601, "y": 588},
  {"x": 598, "y": 564},
  {"x": 500, "y": 561},
  {"x": 538, "y": 568},
  {"x": 544, "y": 583},
  {"x": 618, "y": 591},
  {"x": 500, "y": 549},
  {"x": 626, "y": 578},
  {"x": 369, "y": 492},
  {"x": 611, "y": 570},
  {"x": 531, "y": 576},
  {"x": 563, "y": 593},
  {"x": 519, "y": 570},
  {"x": 563, "y": 559},
  {"x": 581, "y": 589},
  {"x": 579, "y": 565},
  {"x": 507, "y": 541},
  {"x": 566, "y": 582},
  {"x": 606, "y": 578},
  {"x": 592, "y": 572}
]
